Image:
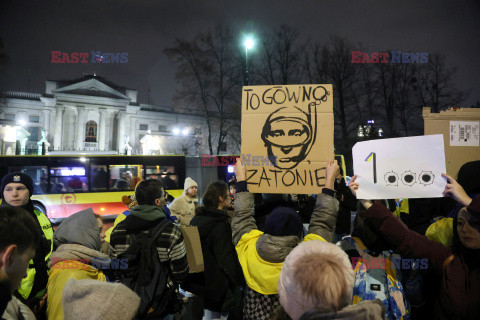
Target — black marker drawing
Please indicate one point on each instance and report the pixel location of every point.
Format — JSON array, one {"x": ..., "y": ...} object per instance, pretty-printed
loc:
[
  {"x": 391, "y": 178},
  {"x": 408, "y": 178},
  {"x": 426, "y": 178},
  {"x": 289, "y": 137}
]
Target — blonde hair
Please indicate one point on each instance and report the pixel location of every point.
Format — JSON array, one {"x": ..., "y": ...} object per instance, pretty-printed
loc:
[{"x": 315, "y": 275}]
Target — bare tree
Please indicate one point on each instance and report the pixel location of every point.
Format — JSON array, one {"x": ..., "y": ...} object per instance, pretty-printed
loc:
[
  {"x": 280, "y": 57},
  {"x": 208, "y": 76},
  {"x": 436, "y": 86}
]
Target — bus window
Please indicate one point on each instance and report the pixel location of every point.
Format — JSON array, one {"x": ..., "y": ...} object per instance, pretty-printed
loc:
[
  {"x": 99, "y": 178},
  {"x": 38, "y": 175},
  {"x": 164, "y": 173},
  {"x": 68, "y": 179},
  {"x": 125, "y": 177}
]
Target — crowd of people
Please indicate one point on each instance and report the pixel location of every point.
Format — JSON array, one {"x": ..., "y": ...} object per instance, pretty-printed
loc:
[{"x": 265, "y": 257}]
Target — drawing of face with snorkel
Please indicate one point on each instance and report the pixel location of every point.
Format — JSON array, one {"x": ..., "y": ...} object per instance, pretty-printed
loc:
[{"x": 289, "y": 134}]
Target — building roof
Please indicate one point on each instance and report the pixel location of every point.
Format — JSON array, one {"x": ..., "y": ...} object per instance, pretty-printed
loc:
[{"x": 64, "y": 83}]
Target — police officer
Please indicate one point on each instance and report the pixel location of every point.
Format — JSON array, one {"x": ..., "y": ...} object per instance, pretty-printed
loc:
[{"x": 16, "y": 190}]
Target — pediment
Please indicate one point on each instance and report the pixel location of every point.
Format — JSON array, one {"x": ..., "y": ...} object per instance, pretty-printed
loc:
[{"x": 91, "y": 87}]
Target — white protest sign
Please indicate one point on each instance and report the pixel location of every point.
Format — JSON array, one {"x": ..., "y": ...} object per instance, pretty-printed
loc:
[{"x": 409, "y": 167}]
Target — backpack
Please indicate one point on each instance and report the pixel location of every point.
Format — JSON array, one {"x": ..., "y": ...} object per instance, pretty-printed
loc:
[
  {"x": 382, "y": 281},
  {"x": 147, "y": 276}
]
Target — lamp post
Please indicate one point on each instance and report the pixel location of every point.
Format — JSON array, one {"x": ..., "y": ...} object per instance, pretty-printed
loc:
[{"x": 248, "y": 45}]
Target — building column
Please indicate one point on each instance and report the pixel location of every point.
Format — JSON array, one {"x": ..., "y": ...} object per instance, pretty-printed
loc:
[
  {"x": 121, "y": 132},
  {"x": 57, "y": 138},
  {"x": 80, "y": 128},
  {"x": 101, "y": 131}
]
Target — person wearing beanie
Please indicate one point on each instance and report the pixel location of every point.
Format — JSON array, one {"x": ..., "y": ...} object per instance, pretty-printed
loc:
[
  {"x": 318, "y": 276},
  {"x": 78, "y": 242},
  {"x": 92, "y": 299},
  {"x": 16, "y": 190},
  {"x": 184, "y": 206},
  {"x": 261, "y": 254}
]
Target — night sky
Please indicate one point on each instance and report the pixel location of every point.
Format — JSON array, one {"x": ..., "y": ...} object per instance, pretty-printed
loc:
[{"x": 30, "y": 30}]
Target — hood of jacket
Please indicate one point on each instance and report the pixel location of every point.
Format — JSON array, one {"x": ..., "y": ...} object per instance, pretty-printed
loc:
[
  {"x": 147, "y": 212},
  {"x": 261, "y": 257},
  {"x": 80, "y": 228},
  {"x": 365, "y": 310}
]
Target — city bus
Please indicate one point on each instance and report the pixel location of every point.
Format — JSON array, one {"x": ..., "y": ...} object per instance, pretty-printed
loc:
[{"x": 64, "y": 185}]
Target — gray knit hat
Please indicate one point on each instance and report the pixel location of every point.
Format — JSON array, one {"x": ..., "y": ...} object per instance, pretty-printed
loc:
[{"x": 94, "y": 299}]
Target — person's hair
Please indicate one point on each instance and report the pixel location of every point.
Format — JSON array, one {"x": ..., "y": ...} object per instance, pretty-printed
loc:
[
  {"x": 324, "y": 277},
  {"x": 315, "y": 274},
  {"x": 214, "y": 191},
  {"x": 470, "y": 256},
  {"x": 18, "y": 227},
  {"x": 148, "y": 191}
]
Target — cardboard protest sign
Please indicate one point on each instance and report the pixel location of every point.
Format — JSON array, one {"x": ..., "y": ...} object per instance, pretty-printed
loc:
[
  {"x": 287, "y": 137},
  {"x": 409, "y": 167}
]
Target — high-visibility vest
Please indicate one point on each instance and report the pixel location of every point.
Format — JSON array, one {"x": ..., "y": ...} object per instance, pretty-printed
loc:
[{"x": 26, "y": 285}]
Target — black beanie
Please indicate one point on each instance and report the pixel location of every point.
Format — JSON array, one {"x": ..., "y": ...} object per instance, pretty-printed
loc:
[
  {"x": 284, "y": 221},
  {"x": 17, "y": 177}
]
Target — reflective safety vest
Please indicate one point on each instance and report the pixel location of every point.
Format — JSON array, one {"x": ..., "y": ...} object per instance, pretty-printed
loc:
[{"x": 27, "y": 283}]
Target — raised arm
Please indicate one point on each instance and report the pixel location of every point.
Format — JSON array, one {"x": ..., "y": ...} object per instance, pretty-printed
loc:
[
  {"x": 403, "y": 240},
  {"x": 243, "y": 220},
  {"x": 324, "y": 216}
]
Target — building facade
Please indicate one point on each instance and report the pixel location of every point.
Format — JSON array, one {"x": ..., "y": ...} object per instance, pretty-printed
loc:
[{"x": 92, "y": 115}]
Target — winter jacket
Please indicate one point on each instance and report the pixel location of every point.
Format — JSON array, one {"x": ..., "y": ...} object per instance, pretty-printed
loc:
[
  {"x": 261, "y": 255},
  {"x": 460, "y": 285},
  {"x": 67, "y": 262},
  {"x": 78, "y": 244},
  {"x": 5, "y": 297},
  {"x": 365, "y": 310},
  {"x": 170, "y": 246},
  {"x": 222, "y": 279},
  {"x": 16, "y": 310},
  {"x": 183, "y": 208}
]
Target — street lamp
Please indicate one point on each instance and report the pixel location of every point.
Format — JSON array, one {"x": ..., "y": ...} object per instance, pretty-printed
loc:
[{"x": 248, "y": 45}]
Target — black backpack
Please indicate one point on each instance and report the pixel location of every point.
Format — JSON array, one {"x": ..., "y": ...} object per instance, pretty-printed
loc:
[{"x": 147, "y": 276}]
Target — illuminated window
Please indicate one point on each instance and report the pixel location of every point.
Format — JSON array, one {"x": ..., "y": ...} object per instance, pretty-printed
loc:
[{"x": 91, "y": 131}]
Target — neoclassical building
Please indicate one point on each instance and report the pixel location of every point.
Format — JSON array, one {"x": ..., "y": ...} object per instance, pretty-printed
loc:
[{"x": 95, "y": 116}]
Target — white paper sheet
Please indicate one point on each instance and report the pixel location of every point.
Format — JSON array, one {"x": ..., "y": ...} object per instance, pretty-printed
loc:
[{"x": 409, "y": 167}]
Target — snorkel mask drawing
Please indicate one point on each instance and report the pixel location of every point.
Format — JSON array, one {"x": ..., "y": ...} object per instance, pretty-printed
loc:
[{"x": 289, "y": 134}]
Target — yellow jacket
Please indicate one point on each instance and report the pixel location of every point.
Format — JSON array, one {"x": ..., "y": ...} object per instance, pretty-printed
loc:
[
  {"x": 260, "y": 275},
  {"x": 59, "y": 274}
]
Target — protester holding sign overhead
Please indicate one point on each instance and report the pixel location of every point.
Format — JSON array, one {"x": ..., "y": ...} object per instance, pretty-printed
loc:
[
  {"x": 457, "y": 267},
  {"x": 261, "y": 254}
]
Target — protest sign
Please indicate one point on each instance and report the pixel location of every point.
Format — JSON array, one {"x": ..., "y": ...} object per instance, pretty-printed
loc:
[
  {"x": 409, "y": 167},
  {"x": 287, "y": 137}
]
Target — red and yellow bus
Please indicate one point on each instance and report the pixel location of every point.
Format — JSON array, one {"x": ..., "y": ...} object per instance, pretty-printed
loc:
[{"x": 64, "y": 185}]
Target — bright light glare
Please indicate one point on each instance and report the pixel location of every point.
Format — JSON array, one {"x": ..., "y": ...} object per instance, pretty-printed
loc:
[
  {"x": 176, "y": 131},
  {"x": 249, "y": 43},
  {"x": 185, "y": 132},
  {"x": 83, "y": 159},
  {"x": 230, "y": 169},
  {"x": 22, "y": 122}
]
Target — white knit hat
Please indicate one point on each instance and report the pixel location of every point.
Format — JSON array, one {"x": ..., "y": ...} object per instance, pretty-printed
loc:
[
  {"x": 189, "y": 182},
  {"x": 95, "y": 299},
  {"x": 297, "y": 275}
]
